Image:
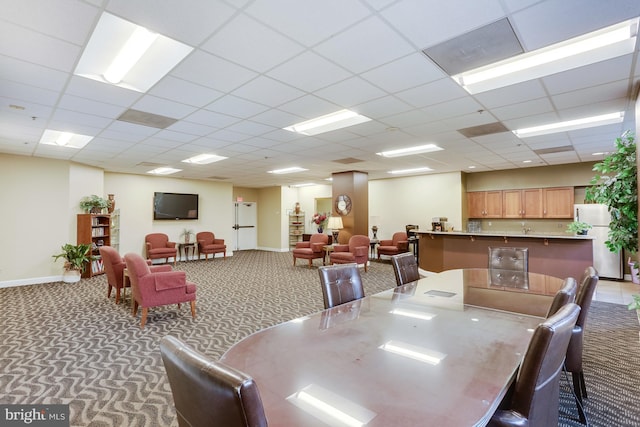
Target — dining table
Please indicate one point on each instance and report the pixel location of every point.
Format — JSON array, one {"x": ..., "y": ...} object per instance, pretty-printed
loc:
[{"x": 440, "y": 351}]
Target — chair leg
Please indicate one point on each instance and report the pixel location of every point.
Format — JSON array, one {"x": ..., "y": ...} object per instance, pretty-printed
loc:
[
  {"x": 577, "y": 389},
  {"x": 143, "y": 319},
  {"x": 584, "y": 385},
  {"x": 310, "y": 262},
  {"x": 193, "y": 309},
  {"x": 134, "y": 308},
  {"x": 294, "y": 261},
  {"x": 109, "y": 291},
  {"x": 117, "y": 295}
]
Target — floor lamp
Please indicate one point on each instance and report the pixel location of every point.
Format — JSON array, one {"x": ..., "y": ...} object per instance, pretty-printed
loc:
[{"x": 335, "y": 224}]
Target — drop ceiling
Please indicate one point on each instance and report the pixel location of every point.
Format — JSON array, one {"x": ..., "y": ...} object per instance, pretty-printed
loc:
[{"x": 261, "y": 65}]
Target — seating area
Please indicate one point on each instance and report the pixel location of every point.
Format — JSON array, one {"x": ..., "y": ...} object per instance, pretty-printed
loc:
[
  {"x": 356, "y": 251},
  {"x": 159, "y": 247},
  {"x": 398, "y": 244},
  {"x": 209, "y": 245},
  {"x": 311, "y": 249}
]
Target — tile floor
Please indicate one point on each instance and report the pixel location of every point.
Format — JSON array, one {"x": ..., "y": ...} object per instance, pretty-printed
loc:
[{"x": 614, "y": 291}]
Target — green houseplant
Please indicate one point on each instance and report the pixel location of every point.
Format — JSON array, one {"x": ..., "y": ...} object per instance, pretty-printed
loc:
[
  {"x": 76, "y": 257},
  {"x": 94, "y": 204},
  {"x": 578, "y": 227},
  {"x": 616, "y": 185}
]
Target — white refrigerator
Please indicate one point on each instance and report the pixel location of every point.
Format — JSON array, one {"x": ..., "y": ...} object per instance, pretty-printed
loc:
[{"x": 607, "y": 263}]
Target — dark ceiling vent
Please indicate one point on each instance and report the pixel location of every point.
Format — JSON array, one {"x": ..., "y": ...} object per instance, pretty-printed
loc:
[
  {"x": 348, "y": 160},
  {"x": 218, "y": 178},
  {"x": 150, "y": 164},
  {"x": 488, "y": 129},
  {"x": 146, "y": 119}
]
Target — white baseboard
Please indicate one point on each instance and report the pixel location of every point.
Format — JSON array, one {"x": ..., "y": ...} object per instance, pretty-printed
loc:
[{"x": 30, "y": 281}]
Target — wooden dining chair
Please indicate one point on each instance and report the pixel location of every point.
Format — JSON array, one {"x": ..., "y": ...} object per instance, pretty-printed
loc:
[{"x": 405, "y": 268}]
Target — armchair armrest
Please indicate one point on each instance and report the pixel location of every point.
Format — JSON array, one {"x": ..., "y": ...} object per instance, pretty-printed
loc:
[
  {"x": 403, "y": 245},
  {"x": 361, "y": 251},
  {"x": 160, "y": 268},
  {"x": 218, "y": 241},
  {"x": 169, "y": 280},
  {"x": 300, "y": 245},
  {"x": 341, "y": 248},
  {"x": 386, "y": 242},
  {"x": 171, "y": 244}
]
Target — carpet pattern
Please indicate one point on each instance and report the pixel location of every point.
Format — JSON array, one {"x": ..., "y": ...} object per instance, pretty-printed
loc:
[{"x": 68, "y": 343}]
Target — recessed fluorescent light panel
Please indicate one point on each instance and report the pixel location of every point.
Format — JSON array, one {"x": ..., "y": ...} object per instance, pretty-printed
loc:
[
  {"x": 331, "y": 408},
  {"x": 203, "y": 159},
  {"x": 338, "y": 120},
  {"x": 583, "y": 123},
  {"x": 287, "y": 170},
  {"x": 64, "y": 139},
  {"x": 164, "y": 171},
  {"x": 406, "y": 171},
  {"x": 305, "y": 184},
  {"x": 428, "y": 148},
  {"x": 606, "y": 43},
  {"x": 127, "y": 55}
]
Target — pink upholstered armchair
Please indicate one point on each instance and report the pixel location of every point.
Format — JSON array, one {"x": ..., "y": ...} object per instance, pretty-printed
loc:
[
  {"x": 114, "y": 266},
  {"x": 312, "y": 249},
  {"x": 398, "y": 244},
  {"x": 152, "y": 289},
  {"x": 356, "y": 251},
  {"x": 208, "y": 244},
  {"x": 159, "y": 246}
]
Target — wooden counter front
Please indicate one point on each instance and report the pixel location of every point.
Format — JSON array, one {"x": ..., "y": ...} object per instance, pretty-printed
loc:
[{"x": 555, "y": 256}]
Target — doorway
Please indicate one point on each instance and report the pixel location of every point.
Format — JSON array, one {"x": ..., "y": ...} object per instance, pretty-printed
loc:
[{"x": 246, "y": 226}]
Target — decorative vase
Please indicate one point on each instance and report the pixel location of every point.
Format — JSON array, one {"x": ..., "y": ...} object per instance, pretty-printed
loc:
[
  {"x": 112, "y": 203},
  {"x": 297, "y": 208},
  {"x": 71, "y": 276},
  {"x": 634, "y": 271},
  {"x": 320, "y": 229}
]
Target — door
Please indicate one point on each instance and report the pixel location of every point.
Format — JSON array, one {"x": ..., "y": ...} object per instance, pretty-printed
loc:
[
  {"x": 608, "y": 264},
  {"x": 246, "y": 226}
]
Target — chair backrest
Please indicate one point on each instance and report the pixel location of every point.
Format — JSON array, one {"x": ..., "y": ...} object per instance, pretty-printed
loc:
[
  {"x": 113, "y": 265},
  {"x": 209, "y": 393},
  {"x": 585, "y": 294},
  {"x": 205, "y": 237},
  {"x": 319, "y": 238},
  {"x": 565, "y": 295},
  {"x": 400, "y": 236},
  {"x": 358, "y": 240},
  {"x": 507, "y": 258},
  {"x": 341, "y": 283},
  {"x": 536, "y": 391},
  {"x": 405, "y": 268},
  {"x": 137, "y": 267},
  {"x": 157, "y": 240}
]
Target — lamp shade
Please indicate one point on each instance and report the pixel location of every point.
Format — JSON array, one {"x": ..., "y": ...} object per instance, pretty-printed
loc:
[{"x": 335, "y": 223}]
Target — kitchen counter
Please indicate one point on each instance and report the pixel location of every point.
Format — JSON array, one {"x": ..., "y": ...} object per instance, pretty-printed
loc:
[
  {"x": 530, "y": 234},
  {"x": 555, "y": 254}
]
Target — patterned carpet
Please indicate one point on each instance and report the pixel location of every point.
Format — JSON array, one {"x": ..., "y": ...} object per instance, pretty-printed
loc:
[{"x": 68, "y": 343}]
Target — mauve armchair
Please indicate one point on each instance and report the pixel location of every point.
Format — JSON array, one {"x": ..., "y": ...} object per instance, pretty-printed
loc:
[
  {"x": 398, "y": 244},
  {"x": 312, "y": 249},
  {"x": 356, "y": 251},
  {"x": 114, "y": 266},
  {"x": 208, "y": 244},
  {"x": 159, "y": 247},
  {"x": 152, "y": 289}
]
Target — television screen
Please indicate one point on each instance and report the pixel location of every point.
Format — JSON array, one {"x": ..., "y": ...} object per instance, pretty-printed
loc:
[{"x": 175, "y": 206}]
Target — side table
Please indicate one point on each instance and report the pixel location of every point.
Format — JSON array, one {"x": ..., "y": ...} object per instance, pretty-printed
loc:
[
  {"x": 372, "y": 244},
  {"x": 187, "y": 248},
  {"x": 327, "y": 250}
]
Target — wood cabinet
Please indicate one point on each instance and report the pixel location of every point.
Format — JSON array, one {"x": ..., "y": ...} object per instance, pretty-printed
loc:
[
  {"x": 558, "y": 202},
  {"x": 94, "y": 229},
  {"x": 485, "y": 204},
  {"x": 296, "y": 229},
  {"x": 525, "y": 203}
]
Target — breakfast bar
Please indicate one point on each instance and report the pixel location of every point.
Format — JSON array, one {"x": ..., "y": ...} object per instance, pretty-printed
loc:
[{"x": 559, "y": 255}]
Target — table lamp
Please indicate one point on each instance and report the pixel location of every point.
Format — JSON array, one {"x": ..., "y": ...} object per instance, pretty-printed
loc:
[{"x": 335, "y": 224}]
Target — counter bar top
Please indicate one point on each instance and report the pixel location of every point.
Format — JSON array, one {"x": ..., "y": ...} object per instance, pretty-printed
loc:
[{"x": 531, "y": 234}]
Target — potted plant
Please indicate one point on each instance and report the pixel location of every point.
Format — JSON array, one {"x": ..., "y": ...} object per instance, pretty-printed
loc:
[
  {"x": 186, "y": 234},
  {"x": 76, "y": 259},
  {"x": 578, "y": 227},
  {"x": 616, "y": 185},
  {"x": 635, "y": 305},
  {"x": 94, "y": 204}
]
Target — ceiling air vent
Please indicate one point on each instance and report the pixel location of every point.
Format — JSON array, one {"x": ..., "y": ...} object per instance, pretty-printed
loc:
[
  {"x": 488, "y": 129},
  {"x": 348, "y": 160},
  {"x": 146, "y": 119},
  {"x": 552, "y": 150}
]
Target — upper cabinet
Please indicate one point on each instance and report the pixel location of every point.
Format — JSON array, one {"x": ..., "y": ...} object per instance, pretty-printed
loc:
[
  {"x": 558, "y": 202},
  {"x": 485, "y": 204},
  {"x": 521, "y": 203}
]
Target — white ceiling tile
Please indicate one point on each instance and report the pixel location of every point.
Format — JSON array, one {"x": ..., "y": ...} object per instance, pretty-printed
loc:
[
  {"x": 267, "y": 91},
  {"x": 309, "y": 72},
  {"x": 411, "y": 71},
  {"x": 163, "y": 107},
  {"x": 183, "y": 91},
  {"x": 237, "y": 107},
  {"x": 210, "y": 71},
  {"x": 350, "y": 92},
  {"x": 432, "y": 93}
]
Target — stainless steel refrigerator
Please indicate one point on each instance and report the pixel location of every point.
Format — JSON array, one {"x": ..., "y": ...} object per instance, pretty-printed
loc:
[{"x": 607, "y": 263}]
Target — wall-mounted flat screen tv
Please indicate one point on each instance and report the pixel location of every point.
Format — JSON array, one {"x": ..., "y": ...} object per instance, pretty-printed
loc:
[{"x": 175, "y": 206}]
